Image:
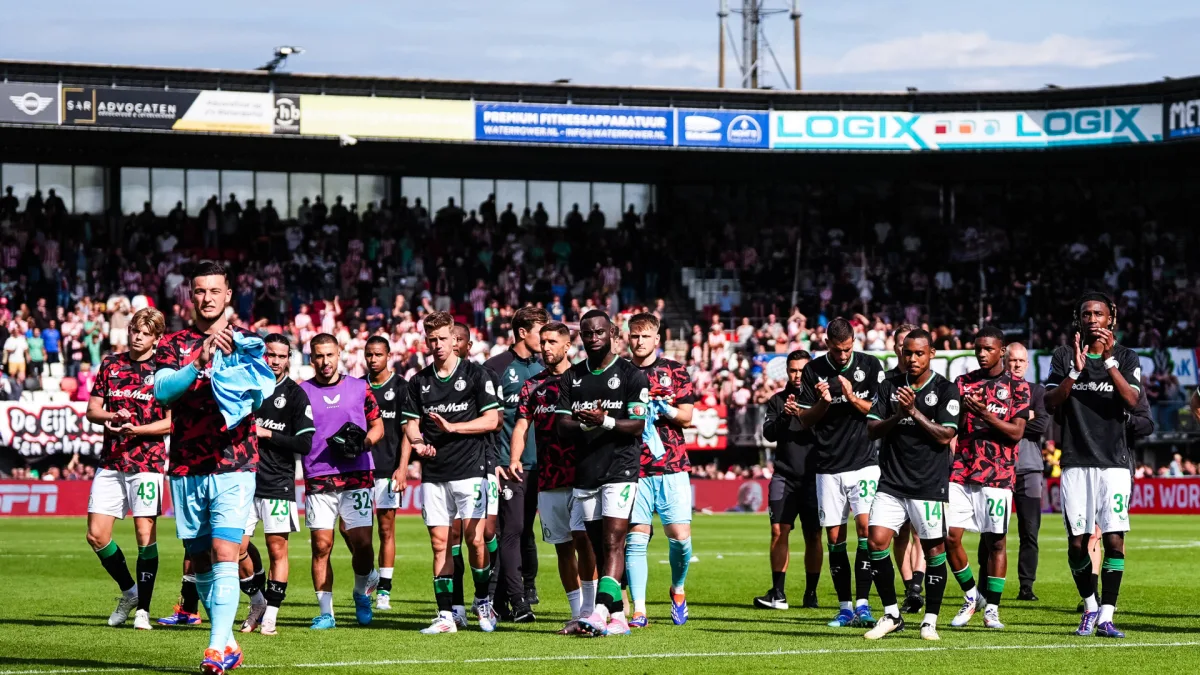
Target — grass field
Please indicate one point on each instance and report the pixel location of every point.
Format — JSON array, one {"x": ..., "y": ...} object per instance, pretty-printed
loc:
[{"x": 56, "y": 598}]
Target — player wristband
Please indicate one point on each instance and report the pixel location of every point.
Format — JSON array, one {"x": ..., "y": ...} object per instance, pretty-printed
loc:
[
  {"x": 1111, "y": 362},
  {"x": 608, "y": 423},
  {"x": 671, "y": 412},
  {"x": 1074, "y": 374},
  {"x": 587, "y": 427}
]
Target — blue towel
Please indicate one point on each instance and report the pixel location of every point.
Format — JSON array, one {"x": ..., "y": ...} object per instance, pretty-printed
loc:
[
  {"x": 650, "y": 432},
  {"x": 241, "y": 380}
]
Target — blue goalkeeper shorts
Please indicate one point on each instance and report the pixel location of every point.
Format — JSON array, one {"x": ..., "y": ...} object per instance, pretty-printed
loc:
[
  {"x": 669, "y": 495},
  {"x": 214, "y": 505}
]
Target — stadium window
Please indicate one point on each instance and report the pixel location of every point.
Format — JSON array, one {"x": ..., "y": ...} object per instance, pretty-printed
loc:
[
  {"x": 202, "y": 185},
  {"x": 303, "y": 186},
  {"x": 340, "y": 185},
  {"x": 270, "y": 185},
  {"x": 544, "y": 192},
  {"x": 89, "y": 189},
  {"x": 135, "y": 189},
  {"x": 511, "y": 192},
  {"x": 56, "y": 177},
  {"x": 371, "y": 190},
  {"x": 608, "y": 196},
  {"x": 475, "y": 193},
  {"x": 166, "y": 188},
  {"x": 22, "y": 178},
  {"x": 572, "y": 194},
  {"x": 240, "y": 183},
  {"x": 441, "y": 190},
  {"x": 413, "y": 188},
  {"x": 639, "y": 195}
]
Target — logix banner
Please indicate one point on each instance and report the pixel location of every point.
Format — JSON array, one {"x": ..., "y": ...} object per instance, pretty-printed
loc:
[
  {"x": 29, "y": 103},
  {"x": 1182, "y": 119},
  {"x": 593, "y": 125},
  {"x": 902, "y": 131},
  {"x": 723, "y": 129},
  {"x": 381, "y": 117}
]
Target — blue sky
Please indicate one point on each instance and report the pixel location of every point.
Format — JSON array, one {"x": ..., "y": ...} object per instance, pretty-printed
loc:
[{"x": 849, "y": 45}]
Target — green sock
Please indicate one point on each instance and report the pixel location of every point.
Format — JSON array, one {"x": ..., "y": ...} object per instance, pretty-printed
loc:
[
  {"x": 965, "y": 578},
  {"x": 492, "y": 545},
  {"x": 148, "y": 552},
  {"x": 881, "y": 555},
  {"x": 837, "y": 548},
  {"x": 862, "y": 544},
  {"x": 108, "y": 551}
]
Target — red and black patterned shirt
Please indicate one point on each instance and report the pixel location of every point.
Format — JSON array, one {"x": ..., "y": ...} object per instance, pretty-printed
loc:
[
  {"x": 669, "y": 380},
  {"x": 555, "y": 458},
  {"x": 125, "y": 384},
  {"x": 200, "y": 442},
  {"x": 983, "y": 456}
]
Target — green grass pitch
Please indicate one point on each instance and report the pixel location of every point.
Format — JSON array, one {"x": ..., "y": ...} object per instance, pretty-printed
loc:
[{"x": 56, "y": 598}]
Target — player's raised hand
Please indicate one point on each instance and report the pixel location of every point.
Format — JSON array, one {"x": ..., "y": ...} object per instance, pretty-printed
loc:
[
  {"x": 224, "y": 340},
  {"x": 120, "y": 416},
  {"x": 593, "y": 416},
  {"x": 1107, "y": 342},
  {"x": 424, "y": 450},
  {"x": 847, "y": 388},
  {"x": 1079, "y": 359},
  {"x": 907, "y": 399},
  {"x": 262, "y": 432},
  {"x": 790, "y": 407},
  {"x": 442, "y": 423},
  {"x": 823, "y": 390},
  {"x": 974, "y": 405}
]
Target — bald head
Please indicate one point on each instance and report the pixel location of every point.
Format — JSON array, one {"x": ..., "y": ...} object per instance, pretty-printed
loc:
[{"x": 1017, "y": 358}]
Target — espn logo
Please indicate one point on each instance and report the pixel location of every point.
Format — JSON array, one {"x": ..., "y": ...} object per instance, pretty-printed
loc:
[{"x": 29, "y": 495}]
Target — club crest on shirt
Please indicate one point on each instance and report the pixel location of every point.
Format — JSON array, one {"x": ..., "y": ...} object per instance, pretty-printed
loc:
[
  {"x": 1001, "y": 393},
  {"x": 859, "y": 375},
  {"x": 664, "y": 380},
  {"x": 149, "y": 380},
  {"x": 459, "y": 385},
  {"x": 931, "y": 399},
  {"x": 614, "y": 382},
  {"x": 280, "y": 401},
  {"x": 389, "y": 395}
]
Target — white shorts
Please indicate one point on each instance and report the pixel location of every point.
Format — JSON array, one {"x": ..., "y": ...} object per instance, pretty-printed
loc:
[
  {"x": 928, "y": 518},
  {"x": 607, "y": 501},
  {"x": 278, "y": 516},
  {"x": 385, "y": 498},
  {"x": 841, "y": 494},
  {"x": 445, "y": 503},
  {"x": 979, "y": 509},
  {"x": 118, "y": 337},
  {"x": 559, "y": 519},
  {"x": 115, "y": 493},
  {"x": 493, "y": 494},
  {"x": 1093, "y": 496},
  {"x": 354, "y": 507}
]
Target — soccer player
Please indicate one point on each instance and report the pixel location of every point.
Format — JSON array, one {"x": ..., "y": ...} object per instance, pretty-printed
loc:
[
  {"x": 452, "y": 406},
  {"x": 518, "y": 502},
  {"x": 1093, "y": 384},
  {"x": 664, "y": 486},
  {"x": 916, "y": 416},
  {"x": 835, "y": 396},
  {"x": 793, "y": 490},
  {"x": 285, "y": 428},
  {"x": 907, "y": 546},
  {"x": 556, "y": 474},
  {"x": 602, "y": 409},
  {"x": 390, "y": 390},
  {"x": 212, "y": 466},
  {"x": 339, "y": 480},
  {"x": 996, "y": 409},
  {"x": 132, "y": 460}
]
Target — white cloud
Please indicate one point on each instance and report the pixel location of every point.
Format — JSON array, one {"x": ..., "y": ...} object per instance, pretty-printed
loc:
[
  {"x": 961, "y": 50},
  {"x": 682, "y": 61}
]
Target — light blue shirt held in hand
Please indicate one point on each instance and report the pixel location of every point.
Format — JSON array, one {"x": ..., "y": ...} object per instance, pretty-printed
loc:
[{"x": 242, "y": 379}]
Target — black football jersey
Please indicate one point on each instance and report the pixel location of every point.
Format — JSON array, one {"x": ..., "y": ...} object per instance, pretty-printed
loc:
[
  {"x": 465, "y": 395},
  {"x": 604, "y": 457},
  {"x": 794, "y": 458},
  {"x": 911, "y": 464},
  {"x": 390, "y": 397},
  {"x": 841, "y": 435},
  {"x": 1093, "y": 417},
  {"x": 285, "y": 412}
]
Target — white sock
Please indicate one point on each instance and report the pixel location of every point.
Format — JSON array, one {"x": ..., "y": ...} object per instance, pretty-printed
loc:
[
  {"x": 639, "y": 605},
  {"x": 971, "y": 595},
  {"x": 990, "y": 607},
  {"x": 449, "y": 616},
  {"x": 574, "y": 599},
  {"x": 1106, "y": 613},
  {"x": 1089, "y": 603},
  {"x": 588, "y": 603},
  {"x": 861, "y": 602},
  {"x": 258, "y": 599},
  {"x": 678, "y": 590},
  {"x": 846, "y": 605},
  {"x": 386, "y": 572},
  {"x": 361, "y": 583},
  {"x": 892, "y": 611},
  {"x": 271, "y": 613},
  {"x": 325, "y": 601},
  {"x": 930, "y": 619},
  {"x": 618, "y": 616}
]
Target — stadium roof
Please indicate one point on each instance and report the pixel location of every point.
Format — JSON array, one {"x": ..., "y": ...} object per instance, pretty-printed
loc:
[{"x": 529, "y": 92}]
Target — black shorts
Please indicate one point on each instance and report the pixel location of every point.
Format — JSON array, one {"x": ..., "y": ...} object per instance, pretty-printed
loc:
[{"x": 788, "y": 499}]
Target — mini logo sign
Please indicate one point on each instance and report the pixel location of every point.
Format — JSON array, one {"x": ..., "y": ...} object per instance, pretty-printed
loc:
[{"x": 30, "y": 103}]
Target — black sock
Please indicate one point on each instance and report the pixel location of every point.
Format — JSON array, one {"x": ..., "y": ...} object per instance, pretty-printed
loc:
[
  {"x": 443, "y": 590},
  {"x": 385, "y": 585},
  {"x": 917, "y": 581},
  {"x": 778, "y": 581},
  {"x": 456, "y": 588},
  {"x": 254, "y": 584},
  {"x": 907, "y": 585},
  {"x": 275, "y": 592},
  {"x": 884, "y": 575},
  {"x": 147, "y": 571},
  {"x": 935, "y": 582},
  {"x": 811, "y": 579},
  {"x": 1113, "y": 568},
  {"x": 189, "y": 597},
  {"x": 1096, "y": 584},
  {"x": 1081, "y": 572},
  {"x": 839, "y": 569},
  {"x": 113, "y": 560},
  {"x": 862, "y": 572}
]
